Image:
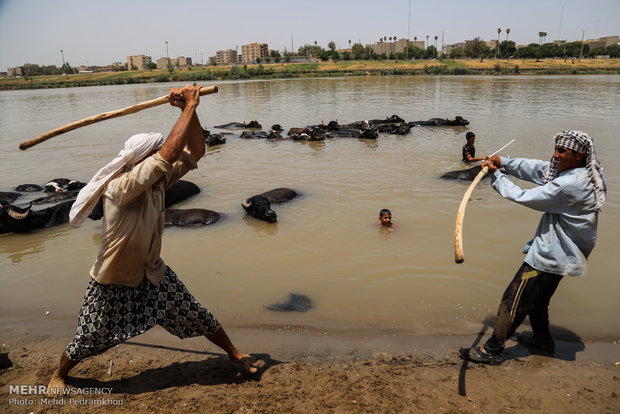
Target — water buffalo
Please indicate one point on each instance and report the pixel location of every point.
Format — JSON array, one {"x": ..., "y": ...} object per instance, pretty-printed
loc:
[
  {"x": 28, "y": 188},
  {"x": 397, "y": 129},
  {"x": 15, "y": 219},
  {"x": 456, "y": 121},
  {"x": 296, "y": 302},
  {"x": 212, "y": 139},
  {"x": 56, "y": 197},
  {"x": 178, "y": 192},
  {"x": 190, "y": 217},
  {"x": 259, "y": 206},
  {"x": 394, "y": 119},
  {"x": 464, "y": 175},
  {"x": 7, "y": 197},
  {"x": 232, "y": 125},
  {"x": 261, "y": 134}
]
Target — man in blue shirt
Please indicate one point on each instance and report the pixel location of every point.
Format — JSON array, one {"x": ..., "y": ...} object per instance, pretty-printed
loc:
[{"x": 570, "y": 194}]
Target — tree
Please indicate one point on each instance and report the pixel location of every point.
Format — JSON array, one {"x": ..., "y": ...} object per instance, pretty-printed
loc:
[
  {"x": 457, "y": 53},
  {"x": 542, "y": 36},
  {"x": 331, "y": 45},
  {"x": 436, "y": 37},
  {"x": 66, "y": 68},
  {"x": 507, "y": 33},
  {"x": 499, "y": 30},
  {"x": 358, "y": 50},
  {"x": 507, "y": 49},
  {"x": 476, "y": 48},
  {"x": 151, "y": 65}
]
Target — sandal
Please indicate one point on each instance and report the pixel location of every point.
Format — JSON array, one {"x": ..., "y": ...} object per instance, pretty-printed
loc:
[{"x": 479, "y": 356}]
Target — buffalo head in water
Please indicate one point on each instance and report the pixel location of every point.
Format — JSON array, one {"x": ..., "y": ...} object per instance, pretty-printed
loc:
[
  {"x": 15, "y": 219},
  {"x": 259, "y": 206}
]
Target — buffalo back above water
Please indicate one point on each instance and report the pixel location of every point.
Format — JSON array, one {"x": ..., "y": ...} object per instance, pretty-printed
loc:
[
  {"x": 464, "y": 175},
  {"x": 190, "y": 217}
]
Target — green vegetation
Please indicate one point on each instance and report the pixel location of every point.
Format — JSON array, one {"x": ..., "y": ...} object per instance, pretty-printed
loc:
[{"x": 329, "y": 68}]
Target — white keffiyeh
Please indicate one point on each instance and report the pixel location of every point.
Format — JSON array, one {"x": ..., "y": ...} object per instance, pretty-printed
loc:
[
  {"x": 581, "y": 142},
  {"x": 136, "y": 148}
]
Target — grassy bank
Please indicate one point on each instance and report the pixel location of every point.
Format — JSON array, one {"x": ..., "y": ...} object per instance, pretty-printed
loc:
[{"x": 321, "y": 69}]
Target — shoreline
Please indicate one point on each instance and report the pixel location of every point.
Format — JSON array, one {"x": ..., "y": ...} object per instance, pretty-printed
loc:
[
  {"x": 159, "y": 372},
  {"x": 513, "y": 67}
]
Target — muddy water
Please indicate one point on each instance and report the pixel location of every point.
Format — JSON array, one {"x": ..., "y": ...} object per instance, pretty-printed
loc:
[{"x": 326, "y": 243}]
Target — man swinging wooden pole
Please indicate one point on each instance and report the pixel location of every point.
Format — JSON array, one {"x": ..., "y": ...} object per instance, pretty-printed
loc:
[
  {"x": 131, "y": 289},
  {"x": 570, "y": 192},
  {"x": 104, "y": 116}
]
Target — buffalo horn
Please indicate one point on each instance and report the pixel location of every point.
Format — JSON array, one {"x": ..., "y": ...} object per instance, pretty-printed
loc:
[{"x": 20, "y": 216}]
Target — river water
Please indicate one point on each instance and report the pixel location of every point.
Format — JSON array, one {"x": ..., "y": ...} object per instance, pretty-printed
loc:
[{"x": 326, "y": 243}]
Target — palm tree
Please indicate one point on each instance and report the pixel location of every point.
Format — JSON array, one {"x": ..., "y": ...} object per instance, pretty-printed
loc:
[
  {"x": 507, "y": 33},
  {"x": 499, "y": 30},
  {"x": 436, "y": 53},
  {"x": 426, "y": 41},
  {"x": 540, "y": 37},
  {"x": 349, "y": 43}
]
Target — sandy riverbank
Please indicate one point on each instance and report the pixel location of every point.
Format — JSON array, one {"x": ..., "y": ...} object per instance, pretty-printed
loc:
[{"x": 309, "y": 373}]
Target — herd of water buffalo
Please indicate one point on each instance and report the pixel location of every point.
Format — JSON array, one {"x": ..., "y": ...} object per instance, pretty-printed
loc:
[{"x": 57, "y": 196}]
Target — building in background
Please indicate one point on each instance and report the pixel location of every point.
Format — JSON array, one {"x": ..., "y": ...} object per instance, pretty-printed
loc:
[
  {"x": 139, "y": 61},
  {"x": 603, "y": 42},
  {"x": 176, "y": 63},
  {"x": 226, "y": 57},
  {"x": 392, "y": 48},
  {"x": 254, "y": 51}
]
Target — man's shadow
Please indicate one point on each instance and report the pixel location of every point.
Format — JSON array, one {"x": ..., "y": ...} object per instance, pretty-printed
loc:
[
  {"x": 567, "y": 344},
  {"x": 215, "y": 370}
]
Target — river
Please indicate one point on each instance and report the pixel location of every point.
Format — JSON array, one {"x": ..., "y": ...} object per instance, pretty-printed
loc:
[{"x": 326, "y": 243}]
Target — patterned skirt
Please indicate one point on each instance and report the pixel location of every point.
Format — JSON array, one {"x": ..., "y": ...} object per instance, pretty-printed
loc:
[{"x": 111, "y": 314}]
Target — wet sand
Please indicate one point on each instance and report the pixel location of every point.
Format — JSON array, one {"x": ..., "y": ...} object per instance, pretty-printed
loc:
[{"x": 318, "y": 372}]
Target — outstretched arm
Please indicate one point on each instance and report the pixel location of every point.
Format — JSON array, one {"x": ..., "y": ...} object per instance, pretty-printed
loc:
[{"x": 472, "y": 159}]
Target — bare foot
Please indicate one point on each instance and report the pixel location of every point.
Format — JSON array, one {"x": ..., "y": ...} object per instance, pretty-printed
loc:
[
  {"x": 56, "y": 386},
  {"x": 246, "y": 364}
]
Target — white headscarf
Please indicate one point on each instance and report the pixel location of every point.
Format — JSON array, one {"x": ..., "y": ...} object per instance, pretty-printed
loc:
[
  {"x": 136, "y": 148},
  {"x": 581, "y": 142}
]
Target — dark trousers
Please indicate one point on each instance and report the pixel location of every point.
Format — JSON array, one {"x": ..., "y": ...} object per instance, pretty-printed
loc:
[{"x": 528, "y": 294}]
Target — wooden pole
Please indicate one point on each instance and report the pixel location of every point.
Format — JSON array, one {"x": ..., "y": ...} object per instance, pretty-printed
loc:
[
  {"x": 460, "y": 215},
  {"x": 104, "y": 116}
]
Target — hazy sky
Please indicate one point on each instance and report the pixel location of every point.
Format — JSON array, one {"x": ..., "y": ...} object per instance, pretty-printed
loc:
[{"x": 106, "y": 31}]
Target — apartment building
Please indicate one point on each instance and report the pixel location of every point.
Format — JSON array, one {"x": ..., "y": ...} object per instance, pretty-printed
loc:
[
  {"x": 139, "y": 61},
  {"x": 226, "y": 57},
  {"x": 250, "y": 53}
]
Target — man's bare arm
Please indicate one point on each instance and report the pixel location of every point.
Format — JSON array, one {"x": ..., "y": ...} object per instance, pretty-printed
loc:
[{"x": 187, "y": 99}]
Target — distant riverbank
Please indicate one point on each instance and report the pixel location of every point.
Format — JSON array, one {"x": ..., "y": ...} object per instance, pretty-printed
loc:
[{"x": 322, "y": 69}]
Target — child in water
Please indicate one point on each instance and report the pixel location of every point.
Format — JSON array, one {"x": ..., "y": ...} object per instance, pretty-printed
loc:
[
  {"x": 469, "y": 150},
  {"x": 385, "y": 218}
]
